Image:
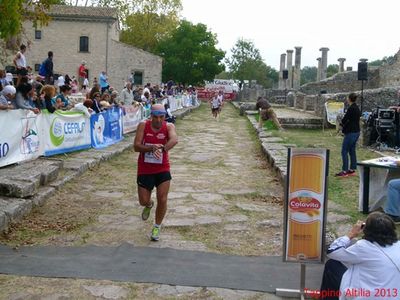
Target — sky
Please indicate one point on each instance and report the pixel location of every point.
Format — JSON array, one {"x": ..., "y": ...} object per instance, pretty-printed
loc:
[{"x": 351, "y": 29}]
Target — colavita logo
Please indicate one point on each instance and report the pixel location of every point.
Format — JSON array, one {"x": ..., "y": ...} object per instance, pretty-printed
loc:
[
  {"x": 304, "y": 203},
  {"x": 56, "y": 132}
]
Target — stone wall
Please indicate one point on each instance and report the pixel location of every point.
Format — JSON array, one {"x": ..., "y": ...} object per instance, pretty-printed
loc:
[
  {"x": 390, "y": 73},
  {"x": 382, "y": 97},
  {"x": 126, "y": 58},
  {"x": 342, "y": 82}
]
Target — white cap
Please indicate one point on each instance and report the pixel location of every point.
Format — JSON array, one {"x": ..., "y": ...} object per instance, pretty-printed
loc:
[{"x": 9, "y": 89}]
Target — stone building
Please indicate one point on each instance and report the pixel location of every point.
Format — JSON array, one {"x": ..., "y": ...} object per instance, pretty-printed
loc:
[{"x": 91, "y": 34}]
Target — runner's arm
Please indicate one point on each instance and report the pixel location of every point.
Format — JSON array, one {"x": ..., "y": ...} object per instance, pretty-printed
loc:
[
  {"x": 138, "y": 143},
  {"x": 173, "y": 137}
]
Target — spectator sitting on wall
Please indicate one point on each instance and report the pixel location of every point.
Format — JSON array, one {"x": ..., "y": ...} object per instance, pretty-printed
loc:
[
  {"x": 7, "y": 95},
  {"x": 61, "y": 101},
  {"x": 23, "y": 98},
  {"x": 46, "y": 94},
  {"x": 85, "y": 107}
]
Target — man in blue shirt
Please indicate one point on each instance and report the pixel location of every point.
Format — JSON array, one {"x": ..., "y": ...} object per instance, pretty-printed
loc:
[{"x": 103, "y": 80}]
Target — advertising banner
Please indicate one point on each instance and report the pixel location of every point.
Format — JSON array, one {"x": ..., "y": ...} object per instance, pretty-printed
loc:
[
  {"x": 20, "y": 136},
  {"x": 65, "y": 131},
  {"x": 131, "y": 117},
  {"x": 333, "y": 109},
  {"x": 106, "y": 127},
  {"x": 305, "y": 205}
]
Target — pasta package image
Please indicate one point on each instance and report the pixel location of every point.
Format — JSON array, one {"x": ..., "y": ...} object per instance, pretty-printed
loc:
[{"x": 305, "y": 205}]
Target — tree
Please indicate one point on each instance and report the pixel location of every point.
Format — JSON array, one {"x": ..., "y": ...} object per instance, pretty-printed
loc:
[
  {"x": 14, "y": 12},
  {"x": 332, "y": 70},
  {"x": 246, "y": 63},
  {"x": 190, "y": 54},
  {"x": 308, "y": 74},
  {"x": 145, "y": 22}
]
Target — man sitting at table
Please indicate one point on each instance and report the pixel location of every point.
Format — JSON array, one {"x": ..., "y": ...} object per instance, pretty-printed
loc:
[{"x": 392, "y": 205}]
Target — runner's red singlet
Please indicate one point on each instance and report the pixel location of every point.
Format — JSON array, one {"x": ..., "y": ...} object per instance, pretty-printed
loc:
[{"x": 147, "y": 163}]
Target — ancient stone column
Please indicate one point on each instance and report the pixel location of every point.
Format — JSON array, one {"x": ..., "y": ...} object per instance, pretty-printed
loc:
[
  {"x": 341, "y": 64},
  {"x": 297, "y": 68},
  {"x": 281, "y": 84},
  {"x": 324, "y": 62},
  {"x": 319, "y": 69},
  {"x": 289, "y": 65}
]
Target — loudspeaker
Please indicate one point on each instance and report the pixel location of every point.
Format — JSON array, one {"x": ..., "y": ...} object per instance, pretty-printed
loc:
[
  {"x": 285, "y": 74},
  {"x": 362, "y": 71}
]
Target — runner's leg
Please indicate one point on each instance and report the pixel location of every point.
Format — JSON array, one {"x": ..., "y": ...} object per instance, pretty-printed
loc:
[
  {"x": 162, "y": 195},
  {"x": 144, "y": 196}
]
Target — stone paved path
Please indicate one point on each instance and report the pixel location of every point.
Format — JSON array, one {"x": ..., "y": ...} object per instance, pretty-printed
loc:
[{"x": 223, "y": 199}]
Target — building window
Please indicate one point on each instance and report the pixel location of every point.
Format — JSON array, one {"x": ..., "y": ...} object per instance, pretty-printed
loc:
[
  {"x": 38, "y": 34},
  {"x": 84, "y": 44},
  {"x": 138, "y": 78},
  {"x": 37, "y": 67}
]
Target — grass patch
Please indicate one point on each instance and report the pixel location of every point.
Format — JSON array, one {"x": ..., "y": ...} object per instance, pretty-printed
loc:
[{"x": 343, "y": 191}]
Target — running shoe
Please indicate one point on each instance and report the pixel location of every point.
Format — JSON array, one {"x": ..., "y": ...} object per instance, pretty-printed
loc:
[
  {"x": 351, "y": 172},
  {"x": 146, "y": 211},
  {"x": 341, "y": 174},
  {"x": 155, "y": 233}
]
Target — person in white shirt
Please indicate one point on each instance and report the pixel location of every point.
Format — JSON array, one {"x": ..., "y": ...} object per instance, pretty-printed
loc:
[
  {"x": 368, "y": 268},
  {"x": 20, "y": 63},
  {"x": 127, "y": 95}
]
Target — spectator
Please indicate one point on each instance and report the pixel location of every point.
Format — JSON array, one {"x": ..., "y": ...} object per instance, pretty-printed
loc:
[
  {"x": 351, "y": 130},
  {"x": 392, "y": 205},
  {"x": 60, "y": 81},
  {"x": 146, "y": 98},
  {"x": 85, "y": 91},
  {"x": 82, "y": 74},
  {"x": 127, "y": 95},
  {"x": 103, "y": 82},
  {"x": 96, "y": 102},
  {"x": 23, "y": 99},
  {"x": 266, "y": 111},
  {"x": 104, "y": 105},
  {"x": 61, "y": 100},
  {"x": 46, "y": 94},
  {"x": 37, "y": 84},
  {"x": 370, "y": 264},
  {"x": 68, "y": 80},
  {"x": 20, "y": 63},
  {"x": 114, "y": 98},
  {"x": 86, "y": 82},
  {"x": 85, "y": 107},
  {"x": 48, "y": 68},
  {"x": 95, "y": 89},
  {"x": 3, "y": 80},
  {"x": 74, "y": 86},
  {"x": 6, "y": 97}
]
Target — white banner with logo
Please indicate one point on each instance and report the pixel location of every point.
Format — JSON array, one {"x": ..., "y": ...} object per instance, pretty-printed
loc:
[
  {"x": 19, "y": 136},
  {"x": 131, "y": 117},
  {"x": 65, "y": 131}
]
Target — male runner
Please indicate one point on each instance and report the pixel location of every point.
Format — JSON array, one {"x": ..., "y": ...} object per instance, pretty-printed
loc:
[{"x": 154, "y": 138}]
